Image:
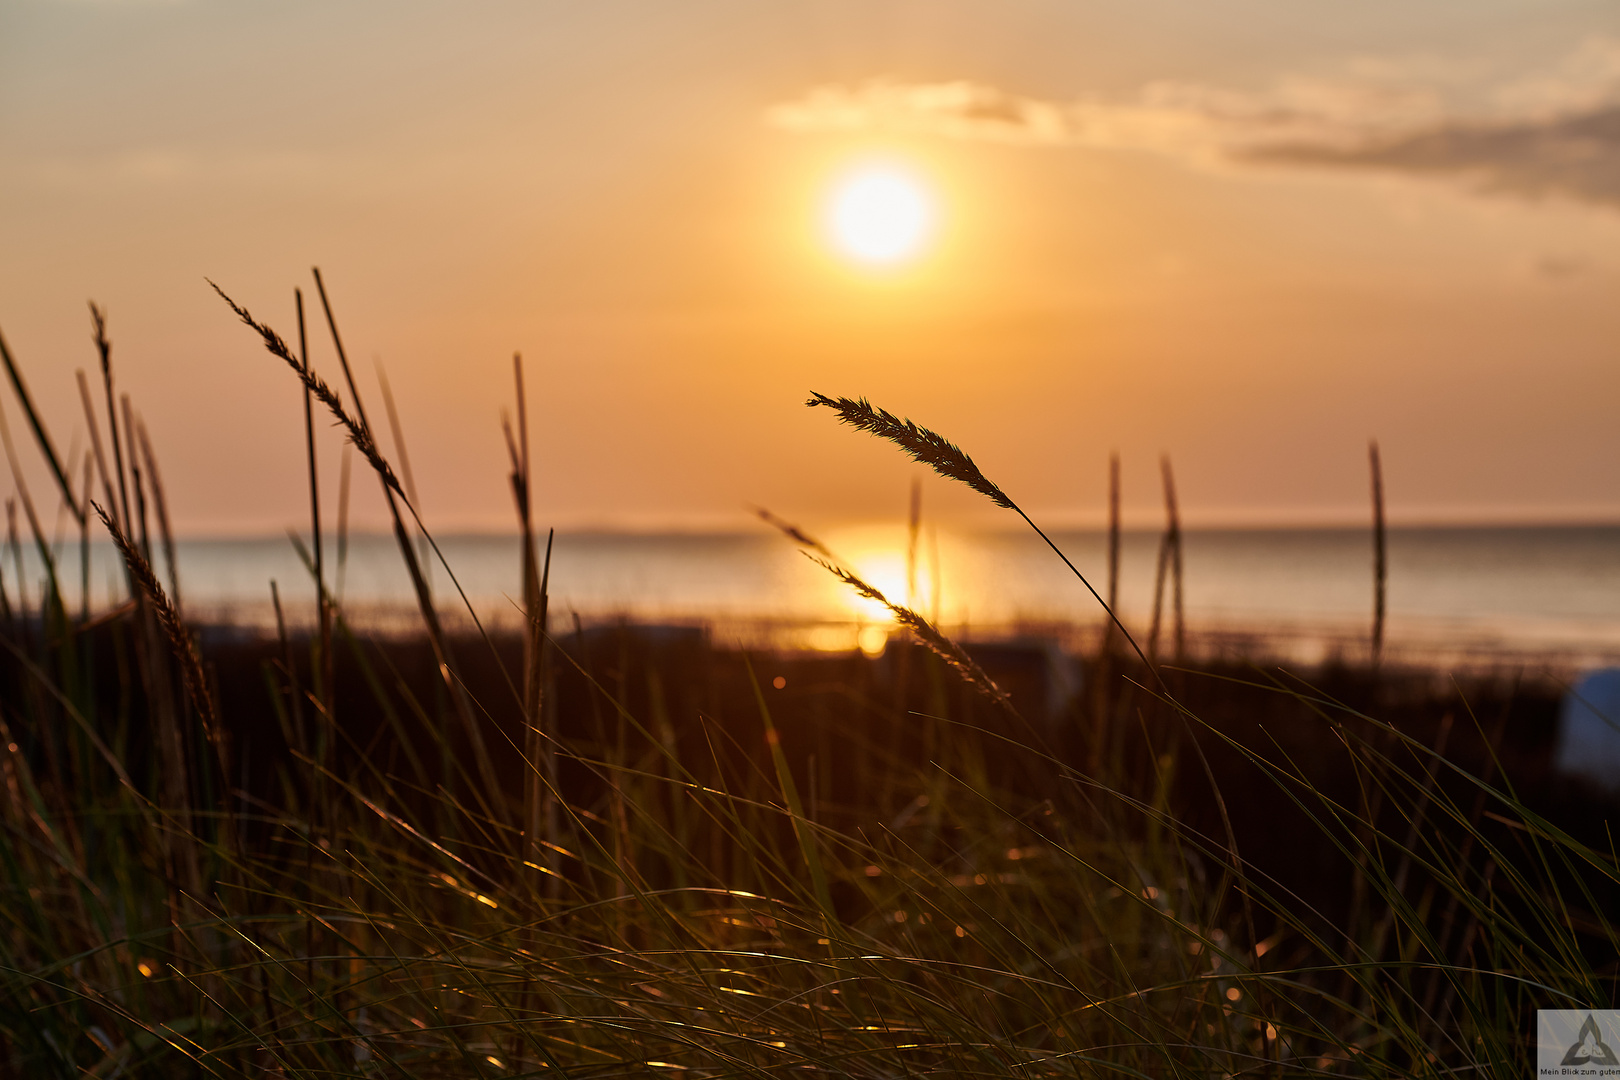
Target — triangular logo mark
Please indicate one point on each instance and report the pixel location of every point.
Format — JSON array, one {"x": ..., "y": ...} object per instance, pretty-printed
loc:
[{"x": 1589, "y": 1048}]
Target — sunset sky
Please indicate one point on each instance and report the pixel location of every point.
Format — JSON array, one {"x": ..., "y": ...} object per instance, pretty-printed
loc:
[{"x": 1246, "y": 233}]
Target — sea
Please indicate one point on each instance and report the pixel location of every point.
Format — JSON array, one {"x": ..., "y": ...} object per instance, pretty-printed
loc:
[{"x": 1454, "y": 595}]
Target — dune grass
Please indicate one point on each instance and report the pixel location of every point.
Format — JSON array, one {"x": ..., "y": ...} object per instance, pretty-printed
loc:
[{"x": 550, "y": 869}]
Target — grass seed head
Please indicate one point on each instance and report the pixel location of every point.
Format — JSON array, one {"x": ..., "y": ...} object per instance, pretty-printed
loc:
[
  {"x": 925, "y": 632},
  {"x": 359, "y": 433},
  {"x": 928, "y": 447}
]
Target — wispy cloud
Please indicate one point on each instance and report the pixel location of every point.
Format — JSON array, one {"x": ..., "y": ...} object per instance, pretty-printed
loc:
[
  {"x": 957, "y": 110},
  {"x": 1551, "y": 132},
  {"x": 1575, "y": 156},
  {"x": 1172, "y": 117}
]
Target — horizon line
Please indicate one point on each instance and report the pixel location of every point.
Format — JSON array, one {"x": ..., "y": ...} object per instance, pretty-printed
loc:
[{"x": 1189, "y": 523}]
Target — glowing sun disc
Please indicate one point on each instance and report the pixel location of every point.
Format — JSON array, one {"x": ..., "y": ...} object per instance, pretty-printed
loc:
[{"x": 880, "y": 215}]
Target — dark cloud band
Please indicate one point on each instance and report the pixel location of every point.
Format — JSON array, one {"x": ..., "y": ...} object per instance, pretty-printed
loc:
[{"x": 1567, "y": 146}]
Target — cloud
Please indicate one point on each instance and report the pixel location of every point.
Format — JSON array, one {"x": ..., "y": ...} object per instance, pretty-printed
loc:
[
  {"x": 1173, "y": 117},
  {"x": 956, "y": 110},
  {"x": 1576, "y": 156},
  {"x": 1550, "y": 132}
]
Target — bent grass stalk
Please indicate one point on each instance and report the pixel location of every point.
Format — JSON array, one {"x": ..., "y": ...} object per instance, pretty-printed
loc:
[
  {"x": 947, "y": 459},
  {"x": 180, "y": 640},
  {"x": 41, "y": 436},
  {"x": 358, "y": 433},
  {"x": 360, "y": 436},
  {"x": 161, "y": 505},
  {"x": 40, "y": 543},
  {"x": 794, "y": 533},
  {"x": 926, "y": 634}
]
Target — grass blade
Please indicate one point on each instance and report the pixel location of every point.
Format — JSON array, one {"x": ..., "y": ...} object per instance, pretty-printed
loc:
[{"x": 41, "y": 436}]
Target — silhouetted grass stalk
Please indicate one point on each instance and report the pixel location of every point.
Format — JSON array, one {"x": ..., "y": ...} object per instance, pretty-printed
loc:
[
  {"x": 324, "y": 660},
  {"x": 947, "y": 459},
  {"x": 161, "y": 505},
  {"x": 1380, "y": 564},
  {"x": 41, "y": 436},
  {"x": 359, "y": 434},
  {"x": 179, "y": 638},
  {"x": 540, "y": 774},
  {"x": 925, "y": 632}
]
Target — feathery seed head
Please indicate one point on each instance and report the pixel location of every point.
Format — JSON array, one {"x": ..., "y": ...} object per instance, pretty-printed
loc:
[
  {"x": 181, "y": 642},
  {"x": 359, "y": 433},
  {"x": 794, "y": 533},
  {"x": 925, "y": 633},
  {"x": 928, "y": 447}
]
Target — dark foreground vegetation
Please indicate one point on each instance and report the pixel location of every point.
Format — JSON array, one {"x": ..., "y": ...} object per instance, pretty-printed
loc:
[
  {"x": 621, "y": 851},
  {"x": 867, "y": 870}
]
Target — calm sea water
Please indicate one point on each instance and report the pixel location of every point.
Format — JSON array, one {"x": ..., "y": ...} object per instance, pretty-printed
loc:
[{"x": 1452, "y": 591}]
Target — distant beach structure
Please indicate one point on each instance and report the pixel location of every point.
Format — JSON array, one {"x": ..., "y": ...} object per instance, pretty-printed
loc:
[{"x": 1589, "y": 729}]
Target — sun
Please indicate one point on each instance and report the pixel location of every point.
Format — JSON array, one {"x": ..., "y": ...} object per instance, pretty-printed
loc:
[{"x": 880, "y": 215}]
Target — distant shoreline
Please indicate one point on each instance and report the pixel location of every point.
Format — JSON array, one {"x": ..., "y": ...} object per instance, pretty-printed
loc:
[
  {"x": 1606, "y": 523},
  {"x": 1299, "y": 647}
]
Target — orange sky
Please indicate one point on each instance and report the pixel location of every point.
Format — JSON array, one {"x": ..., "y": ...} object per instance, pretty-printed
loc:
[{"x": 1228, "y": 232}]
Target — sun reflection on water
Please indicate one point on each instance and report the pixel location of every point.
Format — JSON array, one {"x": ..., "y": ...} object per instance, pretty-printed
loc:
[{"x": 878, "y": 555}]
